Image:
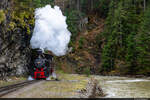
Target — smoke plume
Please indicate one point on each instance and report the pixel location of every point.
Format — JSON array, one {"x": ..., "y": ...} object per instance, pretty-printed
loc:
[{"x": 50, "y": 31}]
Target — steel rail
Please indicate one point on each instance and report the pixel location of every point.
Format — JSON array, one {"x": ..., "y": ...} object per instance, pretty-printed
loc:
[{"x": 11, "y": 88}]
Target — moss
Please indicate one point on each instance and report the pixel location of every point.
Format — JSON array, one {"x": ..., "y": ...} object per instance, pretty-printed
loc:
[
  {"x": 28, "y": 30},
  {"x": 2, "y": 16},
  {"x": 22, "y": 17},
  {"x": 12, "y": 25}
]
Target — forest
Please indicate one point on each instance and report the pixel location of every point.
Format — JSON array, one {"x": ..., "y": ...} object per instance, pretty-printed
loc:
[{"x": 109, "y": 37}]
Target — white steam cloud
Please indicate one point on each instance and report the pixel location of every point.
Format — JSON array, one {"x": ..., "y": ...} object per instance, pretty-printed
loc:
[{"x": 50, "y": 31}]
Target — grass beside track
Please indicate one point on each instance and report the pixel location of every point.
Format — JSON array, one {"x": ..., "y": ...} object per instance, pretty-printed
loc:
[{"x": 12, "y": 80}]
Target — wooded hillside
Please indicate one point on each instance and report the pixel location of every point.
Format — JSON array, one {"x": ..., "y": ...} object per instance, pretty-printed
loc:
[{"x": 108, "y": 36}]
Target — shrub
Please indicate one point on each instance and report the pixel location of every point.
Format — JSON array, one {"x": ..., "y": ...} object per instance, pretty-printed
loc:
[
  {"x": 81, "y": 41},
  {"x": 2, "y": 16},
  {"x": 86, "y": 71}
]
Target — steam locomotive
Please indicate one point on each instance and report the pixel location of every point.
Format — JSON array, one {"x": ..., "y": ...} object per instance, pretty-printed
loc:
[{"x": 41, "y": 67}]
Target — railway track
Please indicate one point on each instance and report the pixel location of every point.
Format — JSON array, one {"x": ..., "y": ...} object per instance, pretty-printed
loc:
[{"x": 11, "y": 88}]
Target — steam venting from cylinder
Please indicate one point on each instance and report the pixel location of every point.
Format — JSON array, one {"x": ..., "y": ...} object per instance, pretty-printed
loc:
[{"x": 50, "y": 31}]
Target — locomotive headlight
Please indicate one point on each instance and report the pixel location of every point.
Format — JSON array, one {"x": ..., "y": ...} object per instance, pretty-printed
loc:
[{"x": 38, "y": 62}]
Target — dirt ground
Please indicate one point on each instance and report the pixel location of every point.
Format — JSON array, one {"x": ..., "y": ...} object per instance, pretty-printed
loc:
[{"x": 69, "y": 86}]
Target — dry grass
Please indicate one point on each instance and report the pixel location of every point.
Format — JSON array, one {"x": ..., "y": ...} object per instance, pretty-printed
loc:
[
  {"x": 11, "y": 80},
  {"x": 68, "y": 87}
]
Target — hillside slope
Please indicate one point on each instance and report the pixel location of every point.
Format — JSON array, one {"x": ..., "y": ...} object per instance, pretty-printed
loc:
[{"x": 86, "y": 56}]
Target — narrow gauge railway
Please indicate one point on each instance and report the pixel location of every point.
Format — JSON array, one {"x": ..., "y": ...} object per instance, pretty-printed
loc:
[{"x": 11, "y": 88}]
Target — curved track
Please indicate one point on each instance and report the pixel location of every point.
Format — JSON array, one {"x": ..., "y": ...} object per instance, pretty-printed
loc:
[{"x": 11, "y": 88}]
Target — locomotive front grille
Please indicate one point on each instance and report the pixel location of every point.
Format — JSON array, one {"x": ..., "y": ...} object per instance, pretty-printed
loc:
[{"x": 38, "y": 75}]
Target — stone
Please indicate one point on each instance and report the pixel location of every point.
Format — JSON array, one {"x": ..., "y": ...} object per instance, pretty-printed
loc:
[{"x": 13, "y": 60}]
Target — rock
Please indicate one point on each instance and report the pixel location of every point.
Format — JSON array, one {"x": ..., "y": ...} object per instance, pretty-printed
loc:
[
  {"x": 14, "y": 46},
  {"x": 2, "y": 65},
  {"x": 8, "y": 80},
  {"x": 2, "y": 59},
  {"x": 70, "y": 49},
  {"x": 92, "y": 90}
]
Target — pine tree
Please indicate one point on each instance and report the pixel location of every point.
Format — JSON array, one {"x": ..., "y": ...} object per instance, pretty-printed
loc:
[
  {"x": 107, "y": 53},
  {"x": 144, "y": 44},
  {"x": 120, "y": 33}
]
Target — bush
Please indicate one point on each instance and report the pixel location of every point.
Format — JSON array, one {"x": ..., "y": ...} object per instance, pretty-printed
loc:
[
  {"x": 86, "y": 71},
  {"x": 81, "y": 42},
  {"x": 72, "y": 18},
  {"x": 2, "y": 16},
  {"x": 41, "y": 3}
]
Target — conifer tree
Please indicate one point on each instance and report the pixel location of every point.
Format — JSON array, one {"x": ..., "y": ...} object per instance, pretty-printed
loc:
[
  {"x": 144, "y": 44},
  {"x": 120, "y": 33}
]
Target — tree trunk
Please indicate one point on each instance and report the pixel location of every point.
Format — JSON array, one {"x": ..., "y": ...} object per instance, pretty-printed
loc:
[
  {"x": 92, "y": 4},
  {"x": 144, "y": 5},
  {"x": 78, "y": 5}
]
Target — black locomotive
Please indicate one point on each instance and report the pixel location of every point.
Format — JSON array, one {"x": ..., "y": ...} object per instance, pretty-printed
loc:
[{"x": 41, "y": 67}]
